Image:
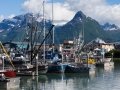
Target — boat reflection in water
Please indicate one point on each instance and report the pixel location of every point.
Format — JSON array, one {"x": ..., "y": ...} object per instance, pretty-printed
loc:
[
  {"x": 31, "y": 82},
  {"x": 54, "y": 81},
  {"x": 74, "y": 81}
]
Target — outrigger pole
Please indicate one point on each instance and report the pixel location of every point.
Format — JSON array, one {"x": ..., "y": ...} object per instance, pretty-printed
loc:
[{"x": 43, "y": 41}]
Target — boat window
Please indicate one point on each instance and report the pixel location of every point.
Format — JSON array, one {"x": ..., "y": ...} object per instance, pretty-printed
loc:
[{"x": 18, "y": 55}]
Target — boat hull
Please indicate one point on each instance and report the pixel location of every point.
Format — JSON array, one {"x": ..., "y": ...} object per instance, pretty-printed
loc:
[
  {"x": 56, "y": 68},
  {"x": 8, "y": 73},
  {"x": 74, "y": 69},
  {"x": 31, "y": 71},
  {"x": 104, "y": 64}
]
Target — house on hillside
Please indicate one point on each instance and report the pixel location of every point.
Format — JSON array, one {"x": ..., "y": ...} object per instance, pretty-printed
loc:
[
  {"x": 106, "y": 46},
  {"x": 99, "y": 43}
]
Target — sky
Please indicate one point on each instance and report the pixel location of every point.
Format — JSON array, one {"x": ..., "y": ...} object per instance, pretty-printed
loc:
[{"x": 64, "y": 10}]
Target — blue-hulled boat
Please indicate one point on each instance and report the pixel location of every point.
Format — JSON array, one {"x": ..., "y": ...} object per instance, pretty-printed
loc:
[
  {"x": 75, "y": 69},
  {"x": 56, "y": 67},
  {"x": 80, "y": 69}
]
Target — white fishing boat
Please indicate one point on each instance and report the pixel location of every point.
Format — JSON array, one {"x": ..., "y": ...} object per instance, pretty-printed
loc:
[{"x": 101, "y": 60}]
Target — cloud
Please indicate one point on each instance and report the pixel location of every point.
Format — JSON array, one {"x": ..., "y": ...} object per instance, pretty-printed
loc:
[
  {"x": 32, "y": 6},
  {"x": 1, "y": 17},
  {"x": 99, "y": 10},
  {"x": 11, "y": 16},
  {"x": 61, "y": 11}
]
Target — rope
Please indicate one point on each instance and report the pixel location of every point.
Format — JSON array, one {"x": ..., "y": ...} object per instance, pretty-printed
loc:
[{"x": 6, "y": 53}]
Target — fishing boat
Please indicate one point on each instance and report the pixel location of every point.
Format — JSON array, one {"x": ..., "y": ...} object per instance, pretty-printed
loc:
[
  {"x": 7, "y": 71},
  {"x": 76, "y": 69},
  {"x": 55, "y": 63},
  {"x": 23, "y": 65},
  {"x": 8, "y": 79},
  {"x": 85, "y": 66},
  {"x": 101, "y": 60},
  {"x": 80, "y": 62},
  {"x": 56, "y": 67},
  {"x": 105, "y": 63},
  {"x": 31, "y": 51}
]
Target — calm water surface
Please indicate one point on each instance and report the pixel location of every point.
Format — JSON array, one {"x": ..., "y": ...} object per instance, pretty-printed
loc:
[{"x": 103, "y": 79}]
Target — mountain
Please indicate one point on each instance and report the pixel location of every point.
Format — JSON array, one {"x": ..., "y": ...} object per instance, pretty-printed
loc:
[
  {"x": 110, "y": 27},
  {"x": 112, "y": 30},
  {"x": 14, "y": 29},
  {"x": 92, "y": 29}
]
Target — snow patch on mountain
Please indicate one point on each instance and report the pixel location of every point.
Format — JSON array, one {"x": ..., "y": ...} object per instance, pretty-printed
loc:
[
  {"x": 1, "y": 30},
  {"x": 11, "y": 25},
  {"x": 10, "y": 20}
]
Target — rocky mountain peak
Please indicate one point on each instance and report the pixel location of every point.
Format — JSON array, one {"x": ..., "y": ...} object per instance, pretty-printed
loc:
[
  {"x": 79, "y": 15},
  {"x": 108, "y": 26},
  {"x": 78, "y": 18}
]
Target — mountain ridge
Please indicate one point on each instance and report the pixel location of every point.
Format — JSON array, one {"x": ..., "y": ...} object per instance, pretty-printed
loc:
[
  {"x": 92, "y": 29},
  {"x": 110, "y": 27}
]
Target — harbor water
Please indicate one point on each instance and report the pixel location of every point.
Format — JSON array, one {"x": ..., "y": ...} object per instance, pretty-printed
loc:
[{"x": 103, "y": 79}]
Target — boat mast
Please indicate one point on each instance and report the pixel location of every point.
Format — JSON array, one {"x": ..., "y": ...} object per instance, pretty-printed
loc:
[
  {"x": 83, "y": 33},
  {"x": 31, "y": 39},
  {"x": 44, "y": 31},
  {"x": 53, "y": 24}
]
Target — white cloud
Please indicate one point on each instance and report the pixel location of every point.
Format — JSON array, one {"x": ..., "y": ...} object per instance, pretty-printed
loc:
[
  {"x": 11, "y": 16},
  {"x": 1, "y": 17},
  {"x": 97, "y": 9},
  {"x": 32, "y": 6},
  {"x": 61, "y": 11}
]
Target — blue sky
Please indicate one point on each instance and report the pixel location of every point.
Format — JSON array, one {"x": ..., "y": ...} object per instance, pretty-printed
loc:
[
  {"x": 101, "y": 10},
  {"x": 8, "y": 7},
  {"x": 113, "y": 1},
  {"x": 14, "y": 6}
]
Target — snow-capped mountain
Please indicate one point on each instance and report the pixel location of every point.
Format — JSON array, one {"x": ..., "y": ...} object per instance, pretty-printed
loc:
[
  {"x": 110, "y": 27},
  {"x": 11, "y": 23},
  {"x": 19, "y": 21},
  {"x": 14, "y": 28}
]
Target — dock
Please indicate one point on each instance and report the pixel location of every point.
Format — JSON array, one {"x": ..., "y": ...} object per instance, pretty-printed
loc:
[{"x": 9, "y": 83}]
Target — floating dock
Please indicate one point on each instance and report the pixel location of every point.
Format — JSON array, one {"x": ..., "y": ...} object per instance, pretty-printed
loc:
[{"x": 9, "y": 83}]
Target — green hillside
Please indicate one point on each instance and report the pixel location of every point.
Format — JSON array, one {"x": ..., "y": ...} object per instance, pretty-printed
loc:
[
  {"x": 92, "y": 29},
  {"x": 69, "y": 31}
]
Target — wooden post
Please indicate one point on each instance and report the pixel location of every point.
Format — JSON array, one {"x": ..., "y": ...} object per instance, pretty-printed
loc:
[
  {"x": 3, "y": 63},
  {"x": 36, "y": 65},
  {"x": 87, "y": 58}
]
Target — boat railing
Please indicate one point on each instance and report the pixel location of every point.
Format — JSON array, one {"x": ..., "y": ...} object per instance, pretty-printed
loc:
[
  {"x": 21, "y": 68},
  {"x": 6, "y": 68}
]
